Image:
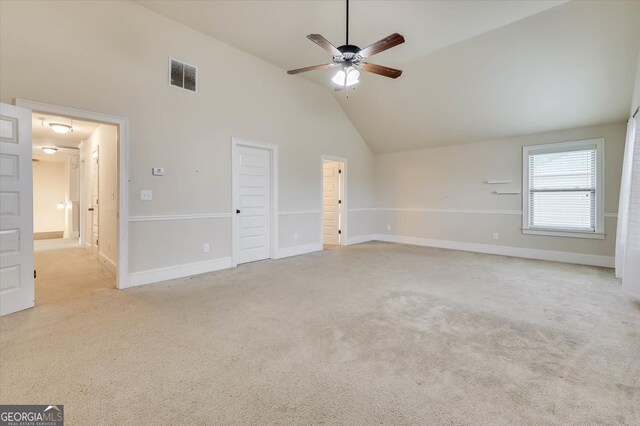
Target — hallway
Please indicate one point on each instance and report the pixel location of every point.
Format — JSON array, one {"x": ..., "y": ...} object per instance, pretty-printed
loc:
[{"x": 69, "y": 274}]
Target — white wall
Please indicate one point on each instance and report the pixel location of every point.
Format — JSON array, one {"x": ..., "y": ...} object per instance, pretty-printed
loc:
[
  {"x": 635, "y": 101},
  {"x": 72, "y": 225},
  {"x": 49, "y": 189},
  {"x": 105, "y": 139},
  {"x": 449, "y": 182},
  {"x": 111, "y": 57}
]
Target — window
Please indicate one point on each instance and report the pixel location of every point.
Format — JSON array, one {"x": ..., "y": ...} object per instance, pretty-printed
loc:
[{"x": 563, "y": 189}]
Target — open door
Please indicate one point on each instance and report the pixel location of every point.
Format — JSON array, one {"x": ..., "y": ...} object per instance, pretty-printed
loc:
[
  {"x": 332, "y": 202},
  {"x": 16, "y": 210}
]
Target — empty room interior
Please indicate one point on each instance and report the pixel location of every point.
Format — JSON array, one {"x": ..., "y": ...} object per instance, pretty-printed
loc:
[{"x": 311, "y": 212}]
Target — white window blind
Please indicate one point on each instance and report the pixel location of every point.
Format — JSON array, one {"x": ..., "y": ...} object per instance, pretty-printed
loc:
[{"x": 562, "y": 190}]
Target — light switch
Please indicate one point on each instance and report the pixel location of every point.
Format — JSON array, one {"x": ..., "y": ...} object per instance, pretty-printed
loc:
[
  {"x": 146, "y": 195},
  {"x": 158, "y": 171}
]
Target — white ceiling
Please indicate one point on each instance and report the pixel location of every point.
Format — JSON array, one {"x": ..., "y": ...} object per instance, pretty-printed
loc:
[
  {"x": 473, "y": 70},
  {"x": 43, "y": 135}
]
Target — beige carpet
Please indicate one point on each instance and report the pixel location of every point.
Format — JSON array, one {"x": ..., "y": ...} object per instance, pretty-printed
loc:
[{"x": 371, "y": 334}]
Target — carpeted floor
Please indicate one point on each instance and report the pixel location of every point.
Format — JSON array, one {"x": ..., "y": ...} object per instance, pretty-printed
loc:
[{"x": 370, "y": 334}]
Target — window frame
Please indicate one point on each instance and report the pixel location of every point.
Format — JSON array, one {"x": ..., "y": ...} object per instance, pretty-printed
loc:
[{"x": 599, "y": 204}]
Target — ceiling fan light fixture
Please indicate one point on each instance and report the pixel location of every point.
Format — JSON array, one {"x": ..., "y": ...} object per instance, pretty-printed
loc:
[
  {"x": 350, "y": 74},
  {"x": 60, "y": 128},
  {"x": 50, "y": 150}
]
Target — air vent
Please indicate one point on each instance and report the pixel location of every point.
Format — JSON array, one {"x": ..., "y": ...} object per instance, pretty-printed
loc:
[{"x": 182, "y": 75}]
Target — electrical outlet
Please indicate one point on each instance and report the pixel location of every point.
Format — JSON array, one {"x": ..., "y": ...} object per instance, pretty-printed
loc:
[
  {"x": 146, "y": 194},
  {"x": 295, "y": 235},
  {"x": 388, "y": 227},
  {"x": 496, "y": 236},
  {"x": 205, "y": 248}
]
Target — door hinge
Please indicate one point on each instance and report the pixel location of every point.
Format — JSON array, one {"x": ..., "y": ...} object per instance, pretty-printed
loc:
[
  {"x": 339, "y": 171},
  {"x": 35, "y": 275},
  {"x": 96, "y": 242},
  {"x": 339, "y": 231},
  {"x": 339, "y": 201}
]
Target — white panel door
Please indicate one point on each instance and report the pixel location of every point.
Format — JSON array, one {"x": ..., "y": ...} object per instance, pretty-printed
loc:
[
  {"x": 16, "y": 210},
  {"x": 331, "y": 202},
  {"x": 253, "y": 204},
  {"x": 95, "y": 192}
]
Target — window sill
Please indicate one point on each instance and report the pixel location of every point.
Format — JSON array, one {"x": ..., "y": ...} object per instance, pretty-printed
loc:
[{"x": 570, "y": 234}]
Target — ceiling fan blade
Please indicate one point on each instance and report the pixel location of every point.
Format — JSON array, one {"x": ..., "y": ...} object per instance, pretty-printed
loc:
[
  {"x": 311, "y": 68},
  {"x": 382, "y": 45},
  {"x": 324, "y": 43},
  {"x": 379, "y": 69}
]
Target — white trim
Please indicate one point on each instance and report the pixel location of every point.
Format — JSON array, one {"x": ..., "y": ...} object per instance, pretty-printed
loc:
[
  {"x": 298, "y": 250},
  {"x": 506, "y": 192},
  {"x": 464, "y": 211},
  {"x": 557, "y": 256},
  {"x": 168, "y": 217},
  {"x": 569, "y": 234},
  {"x": 562, "y": 147},
  {"x": 635, "y": 296},
  {"x": 345, "y": 198},
  {"x": 294, "y": 212},
  {"x": 122, "y": 123},
  {"x": 107, "y": 262},
  {"x": 178, "y": 271},
  {"x": 235, "y": 143},
  {"x": 363, "y": 209},
  {"x": 82, "y": 205},
  {"x": 358, "y": 239}
]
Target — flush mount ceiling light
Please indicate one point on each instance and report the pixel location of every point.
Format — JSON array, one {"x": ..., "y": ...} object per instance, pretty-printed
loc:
[
  {"x": 352, "y": 59},
  {"x": 50, "y": 150},
  {"x": 61, "y": 128}
]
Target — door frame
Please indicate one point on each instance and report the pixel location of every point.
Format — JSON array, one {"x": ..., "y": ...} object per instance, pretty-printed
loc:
[
  {"x": 345, "y": 198},
  {"x": 93, "y": 197},
  {"x": 122, "y": 124},
  {"x": 273, "y": 151}
]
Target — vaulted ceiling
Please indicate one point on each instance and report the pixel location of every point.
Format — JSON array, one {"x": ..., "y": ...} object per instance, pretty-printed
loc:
[{"x": 473, "y": 70}]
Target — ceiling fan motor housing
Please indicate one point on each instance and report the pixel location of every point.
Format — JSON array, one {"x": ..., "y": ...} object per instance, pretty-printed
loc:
[{"x": 349, "y": 55}]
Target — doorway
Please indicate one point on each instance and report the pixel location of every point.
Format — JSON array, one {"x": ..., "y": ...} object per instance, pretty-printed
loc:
[
  {"x": 117, "y": 195},
  {"x": 17, "y": 195},
  {"x": 254, "y": 201},
  {"x": 67, "y": 166},
  {"x": 333, "y": 201}
]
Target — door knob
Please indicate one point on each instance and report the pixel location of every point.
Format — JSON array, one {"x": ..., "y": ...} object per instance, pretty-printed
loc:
[
  {"x": 237, "y": 211},
  {"x": 90, "y": 209}
]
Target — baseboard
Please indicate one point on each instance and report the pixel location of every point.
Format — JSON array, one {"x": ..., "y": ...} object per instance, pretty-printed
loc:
[
  {"x": 632, "y": 294},
  {"x": 358, "y": 239},
  {"x": 108, "y": 263},
  {"x": 177, "y": 271},
  {"x": 557, "y": 256},
  {"x": 298, "y": 250},
  {"x": 48, "y": 235}
]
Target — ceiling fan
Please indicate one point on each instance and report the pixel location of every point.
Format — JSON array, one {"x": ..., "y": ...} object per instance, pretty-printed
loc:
[{"x": 352, "y": 59}]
